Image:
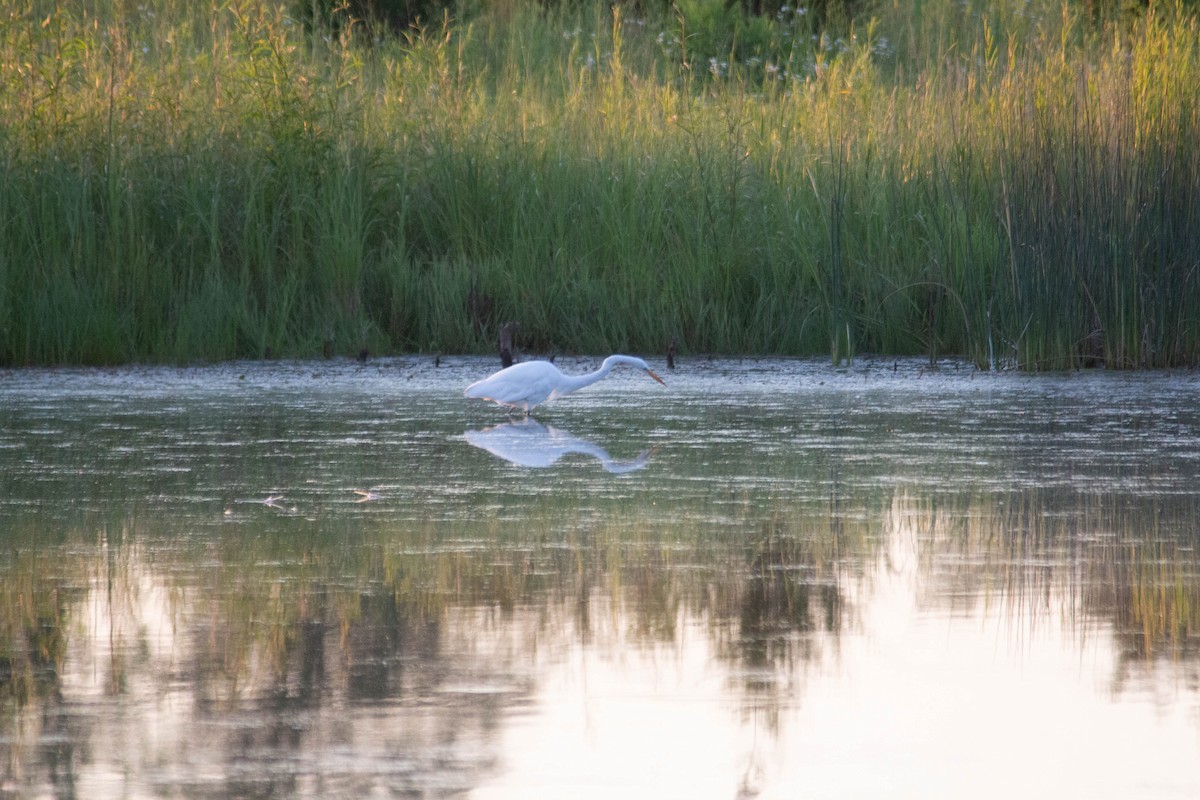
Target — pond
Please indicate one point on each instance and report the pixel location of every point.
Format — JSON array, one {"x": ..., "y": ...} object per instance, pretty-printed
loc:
[{"x": 767, "y": 579}]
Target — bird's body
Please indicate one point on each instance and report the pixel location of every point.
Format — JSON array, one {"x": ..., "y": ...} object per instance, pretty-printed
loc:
[{"x": 531, "y": 383}]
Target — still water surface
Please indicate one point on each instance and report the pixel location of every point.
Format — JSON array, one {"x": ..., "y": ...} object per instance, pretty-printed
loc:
[{"x": 769, "y": 579}]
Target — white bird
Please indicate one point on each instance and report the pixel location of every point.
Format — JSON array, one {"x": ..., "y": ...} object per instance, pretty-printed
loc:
[{"x": 532, "y": 383}]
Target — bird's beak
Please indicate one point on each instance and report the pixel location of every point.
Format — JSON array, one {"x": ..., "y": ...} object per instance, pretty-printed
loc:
[{"x": 652, "y": 374}]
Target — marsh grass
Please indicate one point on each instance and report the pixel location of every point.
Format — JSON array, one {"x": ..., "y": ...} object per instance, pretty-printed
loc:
[{"x": 1014, "y": 183}]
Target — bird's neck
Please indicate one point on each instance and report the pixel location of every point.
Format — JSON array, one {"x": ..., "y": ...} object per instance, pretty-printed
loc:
[{"x": 580, "y": 381}]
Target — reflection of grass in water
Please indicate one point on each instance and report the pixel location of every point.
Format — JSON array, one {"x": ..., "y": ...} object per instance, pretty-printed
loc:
[
  {"x": 1125, "y": 561},
  {"x": 656, "y": 568},
  {"x": 1160, "y": 616},
  {"x": 34, "y": 601},
  {"x": 263, "y": 604},
  {"x": 271, "y": 607}
]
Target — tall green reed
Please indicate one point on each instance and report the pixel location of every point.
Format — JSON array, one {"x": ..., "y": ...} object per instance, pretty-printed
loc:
[{"x": 1010, "y": 183}]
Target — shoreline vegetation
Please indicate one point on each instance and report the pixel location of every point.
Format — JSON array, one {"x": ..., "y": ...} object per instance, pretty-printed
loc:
[{"x": 1014, "y": 183}]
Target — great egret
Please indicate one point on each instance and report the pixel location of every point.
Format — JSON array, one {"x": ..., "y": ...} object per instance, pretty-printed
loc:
[{"x": 532, "y": 383}]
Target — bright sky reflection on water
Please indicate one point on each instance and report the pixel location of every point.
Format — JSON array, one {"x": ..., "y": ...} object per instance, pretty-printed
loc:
[
  {"x": 917, "y": 703},
  {"x": 771, "y": 579}
]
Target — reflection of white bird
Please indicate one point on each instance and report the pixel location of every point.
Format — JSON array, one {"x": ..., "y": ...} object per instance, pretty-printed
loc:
[
  {"x": 528, "y": 443},
  {"x": 532, "y": 383}
]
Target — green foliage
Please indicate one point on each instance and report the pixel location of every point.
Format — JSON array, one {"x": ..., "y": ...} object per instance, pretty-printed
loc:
[
  {"x": 1011, "y": 182},
  {"x": 378, "y": 17}
]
